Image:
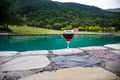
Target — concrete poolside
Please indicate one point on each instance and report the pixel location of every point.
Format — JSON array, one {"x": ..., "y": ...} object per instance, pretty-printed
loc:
[{"x": 88, "y": 63}]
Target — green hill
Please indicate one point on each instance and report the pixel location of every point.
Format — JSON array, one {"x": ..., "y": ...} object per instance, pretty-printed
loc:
[
  {"x": 114, "y": 10},
  {"x": 55, "y": 15}
]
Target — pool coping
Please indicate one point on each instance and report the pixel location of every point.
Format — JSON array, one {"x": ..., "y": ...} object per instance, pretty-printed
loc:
[
  {"x": 10, "y": 34},
  {"x": 46, "y": 52},
  {"x": 104, "y": 63}
]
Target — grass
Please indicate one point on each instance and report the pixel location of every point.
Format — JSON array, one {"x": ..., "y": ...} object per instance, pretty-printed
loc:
[{"x": 34, "y": 30}]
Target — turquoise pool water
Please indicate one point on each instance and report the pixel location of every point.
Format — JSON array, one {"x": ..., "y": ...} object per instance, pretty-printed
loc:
[{"x": 50, "y": 42}]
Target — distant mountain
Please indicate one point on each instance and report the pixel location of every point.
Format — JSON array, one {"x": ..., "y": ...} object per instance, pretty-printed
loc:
[
  {"x": 55, "y": 15},
  {"x": 114, "y": 10}
]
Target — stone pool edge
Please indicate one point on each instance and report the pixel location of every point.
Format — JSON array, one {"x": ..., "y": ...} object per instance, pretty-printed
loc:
[
  {"x": 47, "y": 52},
  {"x": 112, "y": 48},
  {"x": 11, "y": 34}
]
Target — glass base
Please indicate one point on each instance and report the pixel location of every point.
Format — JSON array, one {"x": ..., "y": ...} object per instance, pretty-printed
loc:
[{"x": 68, "y": 50}]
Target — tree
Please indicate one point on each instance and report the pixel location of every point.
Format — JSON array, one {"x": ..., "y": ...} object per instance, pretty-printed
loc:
[
  {"x": 57, "y": 26},
  {"x": 67, "y": 27},
  {"x": 43, "y": 13},
  {"x": 4, "y": 13},
  {"x": 81, "y": 28},
  {"x": 49, "y": 26}
]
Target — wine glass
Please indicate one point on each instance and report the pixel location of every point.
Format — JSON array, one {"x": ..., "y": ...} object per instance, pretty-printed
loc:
[{"x": 68, "y": 35}]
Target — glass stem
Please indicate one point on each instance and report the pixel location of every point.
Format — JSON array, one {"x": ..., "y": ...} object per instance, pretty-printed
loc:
[{"x": 68, "y": 42}]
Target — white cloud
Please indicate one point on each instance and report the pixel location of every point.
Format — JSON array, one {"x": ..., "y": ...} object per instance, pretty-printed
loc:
[{"x": 104, "y": 4}]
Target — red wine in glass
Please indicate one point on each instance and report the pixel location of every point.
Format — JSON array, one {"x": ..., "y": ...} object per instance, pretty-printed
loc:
[{"x": 68, "y": 35}]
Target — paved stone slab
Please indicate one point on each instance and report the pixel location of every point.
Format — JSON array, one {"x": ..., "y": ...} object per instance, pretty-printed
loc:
[
  {"x": 113, "y": 66},
  {"x": 1, "y": 76},
  {"x": 67, "y": 52},
  {"x": 79, "y": 73},
  {"x": 41, "y": 52},
  {"x": 104, "y": 54},
  {"x": 23, "y": 63},
  {"x": 94, "y": 48},
  {"x": 113, "y": 46},
  {"x": 8, "y": 53},
  {"x": 115, "y": 52},
  {"x": 5, "y": 59},
  {"x": 73, "y": 61}
]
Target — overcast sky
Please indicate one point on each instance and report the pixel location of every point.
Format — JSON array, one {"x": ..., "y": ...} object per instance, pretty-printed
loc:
[{"x": 104, "y": 4}]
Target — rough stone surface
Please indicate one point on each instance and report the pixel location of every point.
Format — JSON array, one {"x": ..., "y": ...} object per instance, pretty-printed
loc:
[
  {"x": 1, "y": 76},
  {"x": 73, "y": 61},
  {"x": 5, "y": 59},
  {"x": 94, "y": 48},
  {"x": 67, "y": 52},
  {"x": 113, "y": 66},
  {"x": 8, "y": 53},
  {"x": 115, "y": 52},
  {"x": 104, "y": 54},
  {"x": 79, "y": 73},
  {"x": 16, "y": 65},
  {"x": 41, "y": 52},
  {"x": 113, "y": 46},
  {"x": 23, "y": 63}
]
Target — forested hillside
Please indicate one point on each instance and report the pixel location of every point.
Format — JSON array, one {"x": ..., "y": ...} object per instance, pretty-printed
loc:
[
  {"x": 114, "y": 10},
  {"x": 56, "y": 15}
]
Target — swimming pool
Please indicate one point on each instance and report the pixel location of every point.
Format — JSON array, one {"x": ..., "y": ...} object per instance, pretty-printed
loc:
[{"x": 50, "y": 42}]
